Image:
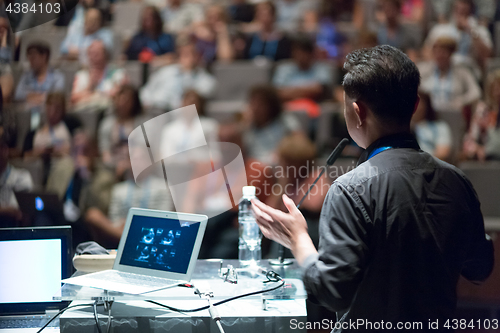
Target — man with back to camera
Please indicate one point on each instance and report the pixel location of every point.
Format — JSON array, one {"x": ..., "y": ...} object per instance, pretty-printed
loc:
[{"x": 398, "y": 230}]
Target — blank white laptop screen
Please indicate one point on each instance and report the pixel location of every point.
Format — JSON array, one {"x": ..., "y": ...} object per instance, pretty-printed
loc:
[
  {"x": 31, "y": 270},
  {"x": 159, "y": 243}
]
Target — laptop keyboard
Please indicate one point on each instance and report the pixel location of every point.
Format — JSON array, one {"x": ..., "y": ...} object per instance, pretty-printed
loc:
[
  {"x": 22, "y": 322},
  {"x": 113, "y": 276}
]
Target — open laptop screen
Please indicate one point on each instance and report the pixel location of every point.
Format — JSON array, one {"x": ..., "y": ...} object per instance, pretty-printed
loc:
[
  {"x": 163, "y": 244},
  {"x": 33, "y": 263}
]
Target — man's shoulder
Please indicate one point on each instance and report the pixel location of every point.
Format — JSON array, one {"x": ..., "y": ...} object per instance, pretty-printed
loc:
[{"x": 393, "y": 162}]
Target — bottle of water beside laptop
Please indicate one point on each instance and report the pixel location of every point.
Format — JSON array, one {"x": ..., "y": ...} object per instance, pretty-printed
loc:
[{"x": 250, "y": 252}]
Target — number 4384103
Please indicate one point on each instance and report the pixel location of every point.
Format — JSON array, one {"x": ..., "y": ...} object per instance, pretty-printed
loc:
[{"x": 41, "y": 8}]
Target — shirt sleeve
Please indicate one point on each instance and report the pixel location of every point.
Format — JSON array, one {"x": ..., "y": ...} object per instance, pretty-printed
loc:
[
  {"x": 281, "y": 75},
  {"x": 332, "y": 277},
  {"x": 444, "y": 134},
  {"x": 21, "y": 89}
]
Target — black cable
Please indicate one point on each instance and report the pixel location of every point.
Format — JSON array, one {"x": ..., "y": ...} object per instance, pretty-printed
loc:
[
  {"x": 96, "y": 318},
  {"x": 220, "y": 302},
  {"x": 61, "y": 312}
]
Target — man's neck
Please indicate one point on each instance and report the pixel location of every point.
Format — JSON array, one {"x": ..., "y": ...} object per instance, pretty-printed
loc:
[
  {"x": 383, "y": 131},
  {"x": 41, "y": 73}
]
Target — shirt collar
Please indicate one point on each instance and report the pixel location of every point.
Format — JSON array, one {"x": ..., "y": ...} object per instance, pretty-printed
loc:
[{"x": 399, "y": 140}]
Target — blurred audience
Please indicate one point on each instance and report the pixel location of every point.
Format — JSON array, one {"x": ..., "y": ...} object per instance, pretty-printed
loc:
[
  {"x": 212, "y": 36},
  {"x": 482, "y": 140},
  {"x": 94, "y": 87},
  {"x": 40, "y": 79},
  {"x": 53, "y": 138},
  {"x": 115, "y": 129},
  {"x": 290, "y": 13},
  {"x": 265, "y": 39},
  {"x": 240, "y": 11},
  {"x": 484, "y": 9},
  {"x": 304, "y": 77},
  {"x": 393, "y": 32},
  {"x": 474, "y": 43},
  {"x": 166, "y": 86},
  {"x": 433, "y": 135},
  {"x": 450, "y": 86},
  {"x": 11, "y": 180},
  {"x": 267, "y": 124},
  {"x": 183, "y": 131},
  {"x": 179, "y": 15},
  {"x": 6, "y": 78},
  {"x": 151, "y": 39},
  {"x": 77, "y": 41}
]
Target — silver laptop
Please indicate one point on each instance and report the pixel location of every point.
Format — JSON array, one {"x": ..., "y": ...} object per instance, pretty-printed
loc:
[{"x": 157, "y": 250}]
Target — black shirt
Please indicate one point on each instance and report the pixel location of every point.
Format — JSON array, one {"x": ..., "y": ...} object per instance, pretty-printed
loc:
[{"x": 395, "y": 234}]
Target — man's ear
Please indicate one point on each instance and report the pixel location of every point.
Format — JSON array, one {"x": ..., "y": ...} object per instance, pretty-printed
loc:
[
  {"x": 360, "y": 111},
  {"x": 416, "y": 104}
]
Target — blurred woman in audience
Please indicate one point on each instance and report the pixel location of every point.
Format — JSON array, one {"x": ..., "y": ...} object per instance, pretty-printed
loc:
[
  {"x": 151, "y": 39},
  {"x": 115, "y": 129},
  {"x": 482, "y": 140},
  {"x": 433, "y": 135},
  {"x": 52, "y": 139},
  {"x": 74, "y": 46},
  {"x": 264, "y": 39},
  {"x": 213, "y": 39},
  {"x": 451, "y": 87},
  {"x": 93, "y": 88},
  {"x": 267, "y": 124}
]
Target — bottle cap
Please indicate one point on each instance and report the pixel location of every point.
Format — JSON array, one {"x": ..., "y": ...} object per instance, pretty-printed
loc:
[{"x": 249, "y": 191}]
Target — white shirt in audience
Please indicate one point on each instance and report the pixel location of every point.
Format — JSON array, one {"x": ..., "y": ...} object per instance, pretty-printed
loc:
[
  {"x": 166, "y": 87},
  {"x": 181, "y": 18},
  {"x": 452, "y": 91},
  {"x": 56, "y": 136}
]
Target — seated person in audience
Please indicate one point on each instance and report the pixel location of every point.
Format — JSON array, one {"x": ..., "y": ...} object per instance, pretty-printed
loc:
[
  {"x": 180, "y": 15},
  {"x": 6, "y": 78},
  {"x": 304, "y": 77},
  {"x": 115, "y": 129},
  {"x": 413, "y": 11},
  {"x": 474, "y": 43},
  {"x": 76, "y": 43},
  {"x": 213, "y": 39},
  {"x": 481, "y": 140},
  {"x": 94, "y": 87},
  {"x": 11, "y": 180},
  {"x": 166, "y": 86},
  {"x": 393, "y": 32},
  {"x": 433, "y": 135},
  {"x": 40, "y": 79},
  {"x": 75, "y": 19},
  {"x": 181, "y": 132},
  {"x": 151, "y": 193},
  {"x": 290, "y": 13},
  {"x": 451, "y": 87},
  {"x": 53, "y": 138},
  {"x": 151, "y": 39},
  {"x": 266, "y": 124},
  {"x": 240, "y": 11},
  {"x": 264, "y": 39}
]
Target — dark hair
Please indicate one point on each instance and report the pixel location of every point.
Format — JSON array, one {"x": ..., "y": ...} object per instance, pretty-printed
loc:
[
  {"x": 271, "y": 98},
  {"x": 469, "y": 3},
  {"x": 430, "y": 113},
  {"x": 158, "y": 22},
  {"x": 303, "y": 43},
  {"x": 271, "y": 6},
  {"x": 385, "y": 79},
  {"x": 137, "y": 106},
  {"x": 41, "y": 47},
  {"x": 200, "y": 100}
]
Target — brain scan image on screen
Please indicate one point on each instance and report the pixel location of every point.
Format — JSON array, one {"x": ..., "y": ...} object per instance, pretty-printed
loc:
[
  {"x": 148, "y": 235},
  {"x": 159, "y": 232},
  {"x": 169, "y": 239},
  {"x": 177, "y": 234}
]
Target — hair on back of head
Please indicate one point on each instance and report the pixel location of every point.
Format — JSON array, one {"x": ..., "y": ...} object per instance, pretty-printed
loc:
[{"x": 385, "y": 80}]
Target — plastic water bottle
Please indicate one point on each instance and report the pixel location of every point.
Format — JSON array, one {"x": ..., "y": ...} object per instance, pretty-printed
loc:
[{"x": 250, "y": 252}]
